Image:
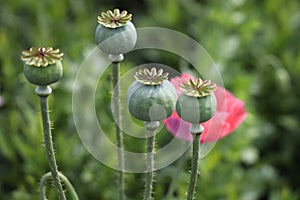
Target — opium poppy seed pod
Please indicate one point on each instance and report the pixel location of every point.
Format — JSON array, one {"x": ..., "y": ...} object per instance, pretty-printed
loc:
[
  {"x": 115, "y": 34},
  {"x": 197, "y": 103},
  {"x": 42, "y": 65},
  {"x": 151, "y": 97}
]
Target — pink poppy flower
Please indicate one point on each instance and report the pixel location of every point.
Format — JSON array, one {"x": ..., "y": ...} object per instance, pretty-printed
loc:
[{"x": 229, "y": 115}]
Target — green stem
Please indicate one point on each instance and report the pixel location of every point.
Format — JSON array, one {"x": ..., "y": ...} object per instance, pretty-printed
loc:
[
  {"x": 43, "y": 92},
  {"x": 68, "y": 184},
  {"x": 117, "y": 110},
  {"x": 150, "y": 167},
  {"x": 194, "y": 170},
  {"x": 151, "y": 127},
  {"x": 195, "y": 129}
]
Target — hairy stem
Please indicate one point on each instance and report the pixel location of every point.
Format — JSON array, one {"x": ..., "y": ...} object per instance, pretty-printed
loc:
[
  {"x": 194, "y": 170},
  {"x": 117, "y": 110},
  {"x": 150, "y": 167},
  {"x": 43, "y": 92},
  {"x": 151, "y": 127},
  {"x": 65, "y": 180}
]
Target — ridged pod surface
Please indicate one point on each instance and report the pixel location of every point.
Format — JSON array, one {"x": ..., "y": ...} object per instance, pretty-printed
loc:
[
  {"x": 196, "y": 109},
  {"x": 43, "y": 75},
  {"x": 151, "y": 102}
]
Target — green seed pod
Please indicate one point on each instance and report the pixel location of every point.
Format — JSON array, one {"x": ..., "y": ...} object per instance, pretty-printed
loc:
[
  {"x": 197, "y": 103},
  {"x": 42, "y": 65},
  {"x": 43, "y": 75},
  {"x": 151, "y": 97},
  {"x": 115, "y": 34},
  {"x": 196, "y": 109}
]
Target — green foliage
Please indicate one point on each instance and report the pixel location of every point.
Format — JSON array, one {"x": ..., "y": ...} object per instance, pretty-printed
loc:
[{"x": 256, "y": 45}]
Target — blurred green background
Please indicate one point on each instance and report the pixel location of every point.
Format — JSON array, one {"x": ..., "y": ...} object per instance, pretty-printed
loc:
[{"x": 257, "y": 46}]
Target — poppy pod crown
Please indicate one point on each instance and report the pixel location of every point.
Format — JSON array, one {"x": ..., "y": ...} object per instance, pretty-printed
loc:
[{"x": 114, "y": 19}]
